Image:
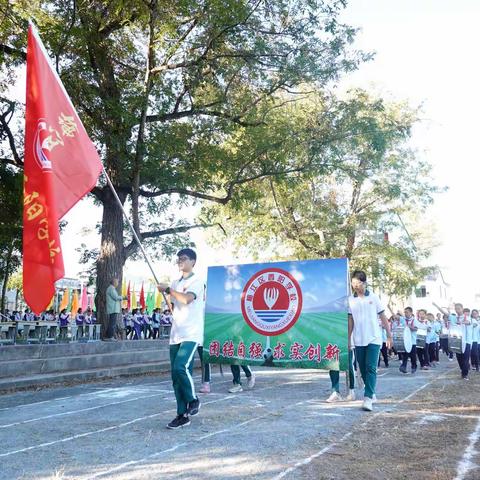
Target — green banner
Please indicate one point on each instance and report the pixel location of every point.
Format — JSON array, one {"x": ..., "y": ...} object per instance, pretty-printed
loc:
[{"x": 282, "y": 314}]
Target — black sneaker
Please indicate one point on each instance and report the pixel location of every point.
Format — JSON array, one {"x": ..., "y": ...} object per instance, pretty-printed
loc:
[
  {"x": 179, "y": 421},
  {"x": 403, "y": 369},
  {"x": 414, "y": 370},
  {"x": 193, "y": 407}
]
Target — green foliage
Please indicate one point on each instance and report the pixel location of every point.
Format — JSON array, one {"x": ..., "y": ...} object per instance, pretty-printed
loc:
[
  {"x": 179, "y": 95},
  {"x": 363, "y": 179}
]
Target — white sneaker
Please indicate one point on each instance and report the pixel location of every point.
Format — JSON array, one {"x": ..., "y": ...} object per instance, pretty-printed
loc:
[
  {"x": 237, "y": 388},
  {"x": 374, "y": 399},
  {"x": 367, "y": 404},
  {"x": 205, "y": 388},
  {"x": 351, "y": 396},
  {"x": 251, "y": 381},
  {"x": 334, "y": 397}
]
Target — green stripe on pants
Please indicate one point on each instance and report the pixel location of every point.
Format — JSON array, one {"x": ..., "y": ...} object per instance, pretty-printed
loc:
[
  {"x": 367, "y": 358},
  {"x": 181, "y": 362}
]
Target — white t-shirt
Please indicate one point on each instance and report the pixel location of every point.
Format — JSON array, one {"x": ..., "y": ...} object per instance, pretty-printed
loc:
[
  {"x": 188, "y": 319},
  {"x": 365, "y": 311}
]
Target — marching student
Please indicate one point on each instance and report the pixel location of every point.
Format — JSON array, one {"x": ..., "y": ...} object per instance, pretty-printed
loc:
[
  {"x": 475, "y": 339},
  {"x": 335, "y": 380},
  {"x": 237, "y": 383},
  {"x": 448, "y": 319},
  {"x": 432, "y": 339},
  {"x": 206, "y": 372},
  {"x": 187, "y": 295},
  {"x": 384, "y": 349},
  {"x": 463, "y": 359},
  {"x": 412, "y": 323},
  {"x": 422, "y": 352},
  {"x": 364, "y": 309}
]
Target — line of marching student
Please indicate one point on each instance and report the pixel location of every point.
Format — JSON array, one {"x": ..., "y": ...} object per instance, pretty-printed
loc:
[{"x": 434, "y": 337}]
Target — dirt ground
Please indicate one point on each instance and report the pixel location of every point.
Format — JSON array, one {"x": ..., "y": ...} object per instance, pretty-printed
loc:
[{"x": 419, "y": 438}]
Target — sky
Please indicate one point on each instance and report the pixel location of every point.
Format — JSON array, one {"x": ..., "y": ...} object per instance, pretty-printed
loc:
[{"x": 426, "y": 53}]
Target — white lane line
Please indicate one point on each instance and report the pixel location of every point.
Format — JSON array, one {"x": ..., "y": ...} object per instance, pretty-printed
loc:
[
  {"x": 466, "y": 464},
  {"x": 88, "y": 409},
  {"x": 98, "y": 391},
  {"x": 193, "y": 440},
  {"x": 121, "y": 425},
  {"x": 324, "y": 450},
  {"x": 95, "y": 392},
  {"x": 107, "y": 429},
  {"x": 159, "y": 392}
]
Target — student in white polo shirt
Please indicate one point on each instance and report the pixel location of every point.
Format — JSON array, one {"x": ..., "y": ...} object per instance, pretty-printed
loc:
[
  {"x": 187, "y": 295},
  {"x": 364, "y": 309}
]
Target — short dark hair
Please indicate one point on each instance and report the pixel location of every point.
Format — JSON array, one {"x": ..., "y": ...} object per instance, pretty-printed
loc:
[
  {"x": 188, "y": 252},
  {"x": 360, "y": 275},
  {"x": 410, "y": 309},
  {"x": 423, "y": 310}
]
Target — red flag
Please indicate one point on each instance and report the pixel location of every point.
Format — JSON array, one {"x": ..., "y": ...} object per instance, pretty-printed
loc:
[
  {"x": 128, "y": 296},
  {"x": 142, "y": 297},
  {"x": 61, "y": 165}
]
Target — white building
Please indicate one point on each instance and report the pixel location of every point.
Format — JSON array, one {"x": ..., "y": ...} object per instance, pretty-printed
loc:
[{"x": 434, "y": 289}]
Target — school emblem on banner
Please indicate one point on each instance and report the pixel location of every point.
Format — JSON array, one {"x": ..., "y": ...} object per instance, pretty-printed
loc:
[{"x": 271, "y": 301}]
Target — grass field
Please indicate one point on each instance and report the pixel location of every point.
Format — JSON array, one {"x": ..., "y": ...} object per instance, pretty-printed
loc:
[{"x": 311, "y": 328}]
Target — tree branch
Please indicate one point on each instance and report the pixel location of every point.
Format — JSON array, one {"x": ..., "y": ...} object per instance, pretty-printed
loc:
[
  {"x": 133, "y": 246},
  {"x": 5, "y": 128},
  {"x": 175, "y": 115},
  {"x": 13, "y": 51},
  {"x": 182, "y": 229}
]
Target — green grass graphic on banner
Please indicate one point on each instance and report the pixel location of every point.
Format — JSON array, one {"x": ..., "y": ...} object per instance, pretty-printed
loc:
[{"x": 283, "y": 314}]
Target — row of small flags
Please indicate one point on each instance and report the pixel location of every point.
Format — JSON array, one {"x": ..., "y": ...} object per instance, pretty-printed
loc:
[
  {"x": 72, "y": 301},
  {"x": 152, "y": 300}
]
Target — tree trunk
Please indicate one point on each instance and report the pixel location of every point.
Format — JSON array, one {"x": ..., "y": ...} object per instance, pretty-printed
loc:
[
  {"x": 112, "y": 258},
  {"x": 5, "y": 279}
]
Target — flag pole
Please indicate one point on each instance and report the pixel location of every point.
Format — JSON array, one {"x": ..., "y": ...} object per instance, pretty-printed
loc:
[{"x": 135, "y": 236}]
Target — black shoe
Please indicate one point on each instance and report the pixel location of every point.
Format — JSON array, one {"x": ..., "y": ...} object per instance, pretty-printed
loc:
[
  {"x": 179, "y": 421},
  {"x": 193, "y": 407},
  {"x": 403, "y": 369},
  {"x": 413, "y": 370}
]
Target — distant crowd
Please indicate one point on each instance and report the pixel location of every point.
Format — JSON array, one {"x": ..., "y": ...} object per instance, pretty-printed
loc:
[{"x": 135, "y": 324}]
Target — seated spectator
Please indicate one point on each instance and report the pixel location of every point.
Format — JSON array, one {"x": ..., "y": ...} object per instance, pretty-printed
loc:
[
  {"x": 147, "y": 325},
  {"x": 137, "y": 324},
  {"x": 128, "y": 320},
  {"x": 79, "y": 321},
  {"x": 156, "y": 317},
  {"x": 166, "y": 322},
  {"x": 63, "y": 318}
]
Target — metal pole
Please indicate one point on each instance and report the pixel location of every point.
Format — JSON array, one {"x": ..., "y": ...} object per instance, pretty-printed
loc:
[{"x": 134, "y": 233}]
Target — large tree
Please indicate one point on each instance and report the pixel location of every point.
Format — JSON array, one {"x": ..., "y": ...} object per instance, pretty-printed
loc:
[
  {"x": 10, "y": 227},
  {"x": 368, "y": 183},
  {"x": 166, "y": 88}
]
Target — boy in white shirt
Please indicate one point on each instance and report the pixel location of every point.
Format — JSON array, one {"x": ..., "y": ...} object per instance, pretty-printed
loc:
[
  {"x": 364, "y": 309},
  {"x": 187, "y": 295}
]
